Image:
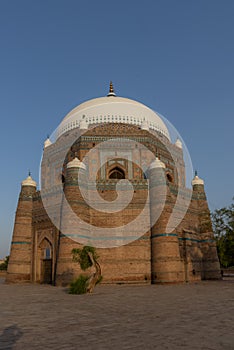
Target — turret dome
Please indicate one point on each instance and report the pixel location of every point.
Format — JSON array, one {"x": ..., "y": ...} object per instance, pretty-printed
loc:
[
  {"x": 178, "y": 143},
  {"x": 76, "y": 163},
  {"x": 157, "y": 163},
  {"x": 197, "y": 180},
  {"x": 47, "y": 142},
  {"x": 29, "y": 182}
]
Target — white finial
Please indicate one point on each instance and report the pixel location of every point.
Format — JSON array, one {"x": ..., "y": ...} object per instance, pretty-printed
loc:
[
  {"x": 111, "y": 90},
  {"x": 157, "y": 164},
  {"x": 76, "y": 163}
]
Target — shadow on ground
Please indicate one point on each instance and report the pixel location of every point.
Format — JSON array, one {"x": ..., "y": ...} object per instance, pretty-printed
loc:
[{"x": 9, "y": 337}]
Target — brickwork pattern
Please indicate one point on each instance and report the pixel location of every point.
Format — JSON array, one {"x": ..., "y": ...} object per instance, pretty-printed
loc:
[{"x": 188, "y": 253}]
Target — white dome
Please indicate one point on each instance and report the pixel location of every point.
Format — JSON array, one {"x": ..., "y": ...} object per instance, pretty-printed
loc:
[
  {"x": 112, "y": 109},
  {"x": 178, "y": 143},
  {"x": 47, "y": 143},
  {"x": 76, "y": 163},
  {"x": 157, "y": 163},
  {"x": 197, "y": 181},
  {"x": 29, "y": 182}
]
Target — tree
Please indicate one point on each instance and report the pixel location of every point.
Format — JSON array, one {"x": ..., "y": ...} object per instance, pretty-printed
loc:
[
  {"x": 3, "y": 266},
  {"x": 223, "y": 224},
  {"x": 86, "y": 257}
]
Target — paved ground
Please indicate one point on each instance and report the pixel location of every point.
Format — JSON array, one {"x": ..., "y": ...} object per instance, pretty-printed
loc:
[{"x": 199, "y": 316}]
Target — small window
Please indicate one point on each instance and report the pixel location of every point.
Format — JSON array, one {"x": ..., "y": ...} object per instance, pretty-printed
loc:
[{"x": 47, "y": 253}]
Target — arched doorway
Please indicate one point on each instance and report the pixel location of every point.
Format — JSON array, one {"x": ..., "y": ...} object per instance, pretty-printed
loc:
[{"x": 46, "y": 261}]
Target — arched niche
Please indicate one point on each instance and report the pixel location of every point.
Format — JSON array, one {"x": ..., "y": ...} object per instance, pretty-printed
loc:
[
  {"x": 116, "y": 173},
  {"x": 45, "y": 254}
]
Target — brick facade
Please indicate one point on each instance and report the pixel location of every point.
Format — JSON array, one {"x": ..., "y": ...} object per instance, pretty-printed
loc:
[{"x": 160, "y": 255}]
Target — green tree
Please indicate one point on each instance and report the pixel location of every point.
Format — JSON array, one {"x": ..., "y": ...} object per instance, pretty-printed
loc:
[
  {"x": 86, "y": 257},
  {"x": 223, "y": 225},
  {"x": 3, "y": 266}
]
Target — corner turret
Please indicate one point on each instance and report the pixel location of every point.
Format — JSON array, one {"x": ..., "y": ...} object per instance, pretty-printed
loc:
[
  {"x": 19, "y": 267},
  {"x": 210, "y": 261},
  {"x": 197, "y": 183},
  {"x": 75, "y": 180}
]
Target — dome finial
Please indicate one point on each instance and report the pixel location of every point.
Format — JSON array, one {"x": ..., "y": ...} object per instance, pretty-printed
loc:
[
  {"x": 111, "y": 90},
  {"x": 195, "y": 172},
  {"x": 29, "y": 173},
  {"x": 111, "y": 87}
]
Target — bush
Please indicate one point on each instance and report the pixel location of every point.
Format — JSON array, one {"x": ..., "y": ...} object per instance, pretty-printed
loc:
[
  {"x": 3, "y": 266},
  {"x": 86, "y": 257},
  {"x": 81, "y": 256},
  {"x": 79, "y": 285}
]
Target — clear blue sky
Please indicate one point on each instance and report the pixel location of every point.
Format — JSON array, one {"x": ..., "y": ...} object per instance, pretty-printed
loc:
[{"x": 177, "y": 57}]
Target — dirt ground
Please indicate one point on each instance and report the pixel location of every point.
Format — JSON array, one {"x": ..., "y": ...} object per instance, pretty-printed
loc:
[{"x": 186, "y": 316}]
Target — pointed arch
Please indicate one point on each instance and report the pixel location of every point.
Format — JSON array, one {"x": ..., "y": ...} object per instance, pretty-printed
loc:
[
  {"x": 116, "y": 173},
  {"x": 169, "y": 177},
  {"x": 45, "y": 260}
]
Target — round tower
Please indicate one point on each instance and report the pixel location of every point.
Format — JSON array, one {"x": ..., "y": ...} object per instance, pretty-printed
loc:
[
  {"x": 210, "y": 261},
  {"x": 19, "y": 267},
  {"x": 198, "y": 184},
  {"x": 74, "y": 212},
  {"x": 166, "y": 264}
]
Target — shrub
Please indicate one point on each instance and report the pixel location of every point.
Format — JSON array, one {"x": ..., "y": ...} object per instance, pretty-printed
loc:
[
  {"x": 86, "y": 257},
  {"x": 79, "y": 286},
  {"x": 81, "y": 256},
  {"x": 3, "y": 266}
]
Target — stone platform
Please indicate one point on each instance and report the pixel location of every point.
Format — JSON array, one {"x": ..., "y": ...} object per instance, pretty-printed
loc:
[{"x": 188, "y": 316}]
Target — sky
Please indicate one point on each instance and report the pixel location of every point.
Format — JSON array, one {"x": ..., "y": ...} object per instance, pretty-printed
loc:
[{"x": 177, "y": 57}]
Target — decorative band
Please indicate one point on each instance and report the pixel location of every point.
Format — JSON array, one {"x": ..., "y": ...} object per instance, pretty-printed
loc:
[
  {"x": 165, "y": 235},
  {"x": 20, "y": 242},
  {"x": 210, "y": 240},
  {"x": 100, "y": 238}
]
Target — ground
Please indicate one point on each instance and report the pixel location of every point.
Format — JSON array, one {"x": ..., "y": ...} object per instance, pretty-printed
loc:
[{"x": 186, "y": 316}]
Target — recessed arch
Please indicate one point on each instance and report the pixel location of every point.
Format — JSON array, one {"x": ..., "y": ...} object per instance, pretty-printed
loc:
[
  {"x": 45, "y": 261},
  {"x": 169, "y": 177},
  {"x": 116, "y": 173},
  {"x": 62, "y": 177}
]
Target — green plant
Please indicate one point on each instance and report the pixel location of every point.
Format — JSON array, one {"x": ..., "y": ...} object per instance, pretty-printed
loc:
[
  {"x": 78, "y": 286},
  {"x": 83, "y": 258},
  {"x": 3, "y": 266},
  {"x": 86, "y": 257},
  {"x": 223, "y": 225}
]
